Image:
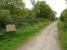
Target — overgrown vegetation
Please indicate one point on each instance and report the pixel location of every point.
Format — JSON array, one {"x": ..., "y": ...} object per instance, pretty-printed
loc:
[
  {"x": 63, "y": 17},
  {"x": 17, "y": 13},
  {"x": 62, "y": 36},
  {"x": 62, "y": 28},
  {"x": 42, "y": 10},
  {"x": 27, "y": 21},
  {"x": 23, "y": 34}
]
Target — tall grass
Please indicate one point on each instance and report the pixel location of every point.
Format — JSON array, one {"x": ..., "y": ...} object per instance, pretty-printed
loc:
[
  {"x": 62, "y": 36},
  {"x": 22, "y": 35}
]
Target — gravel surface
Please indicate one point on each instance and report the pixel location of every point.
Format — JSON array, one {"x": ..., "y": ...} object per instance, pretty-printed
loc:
[{"x": 46, "y": 40}]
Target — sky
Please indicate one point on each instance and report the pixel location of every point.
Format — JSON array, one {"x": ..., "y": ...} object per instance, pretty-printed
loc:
[{"x": 56, "y": 5}]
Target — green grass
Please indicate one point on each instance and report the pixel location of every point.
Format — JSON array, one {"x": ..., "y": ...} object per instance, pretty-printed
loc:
[
  {"x": 22, "y": 35},
  {"x": 62, "y": 36}
]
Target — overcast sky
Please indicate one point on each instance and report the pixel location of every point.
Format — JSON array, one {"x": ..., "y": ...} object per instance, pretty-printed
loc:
[{"x": 56, "y": 5}]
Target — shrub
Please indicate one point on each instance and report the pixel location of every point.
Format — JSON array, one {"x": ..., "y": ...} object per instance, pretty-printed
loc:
[
  {"x": 63, "y": 17},
  {"x": 5, "y": 18}
]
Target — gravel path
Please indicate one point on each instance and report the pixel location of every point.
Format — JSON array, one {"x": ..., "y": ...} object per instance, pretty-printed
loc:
[{"x": 46, "y": 40}]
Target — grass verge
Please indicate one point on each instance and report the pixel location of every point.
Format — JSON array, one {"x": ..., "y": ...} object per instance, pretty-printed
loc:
[
  {"x": 62, "y": 36},
  {"x": 22, "y": 35}
]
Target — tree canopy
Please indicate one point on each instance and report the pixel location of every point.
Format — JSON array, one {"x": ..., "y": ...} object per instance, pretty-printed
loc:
[
  {"x": 41, "y": 9},
  {"x": 20, "y": 15},
  {"x": 63, "y": 17}
]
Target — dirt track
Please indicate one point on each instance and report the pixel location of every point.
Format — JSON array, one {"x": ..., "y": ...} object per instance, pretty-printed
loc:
[{"x": 46, "y": 40}]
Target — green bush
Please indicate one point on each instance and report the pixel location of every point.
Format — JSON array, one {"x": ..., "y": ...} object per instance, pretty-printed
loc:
[
  {"x": 5, "y": 18},
  {"x": 24, "y": 21},
  {"x": 42, "y": 10},
  {"x": 63, "y": 17},
  {"x": 62, "y": 35}
]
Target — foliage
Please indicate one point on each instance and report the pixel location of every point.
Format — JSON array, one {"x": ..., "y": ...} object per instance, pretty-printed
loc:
[
  {"x": 42, "y": 10},
  {"x": 9, "y": 9},
  {"x": 23, "y": 16},
  {"x": 62, "y": 35},
  {"x": 22, "y": 35},
  {"x": 30, "y": 21},
  {"x": 5, "y": 18},
  {"x": 63, "y": 17}
]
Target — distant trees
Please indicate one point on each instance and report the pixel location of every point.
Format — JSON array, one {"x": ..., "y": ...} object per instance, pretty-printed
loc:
[
  {"x": 14, "y": 11},
  {"x": 10, "y": 9},
  {"x": 42, "y": 10},
  {"x": 63, "y": 17},
  {"x": 5, "y": 18}
]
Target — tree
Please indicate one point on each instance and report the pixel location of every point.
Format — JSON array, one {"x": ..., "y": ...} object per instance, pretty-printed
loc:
[
  {"x": 16, "y": 3},
  {"x": 5, "y": 18},
  {"x": 12, "y": 8},
  {"x": 42, "y": 10},
  {"x": 63, "y": 17}
]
